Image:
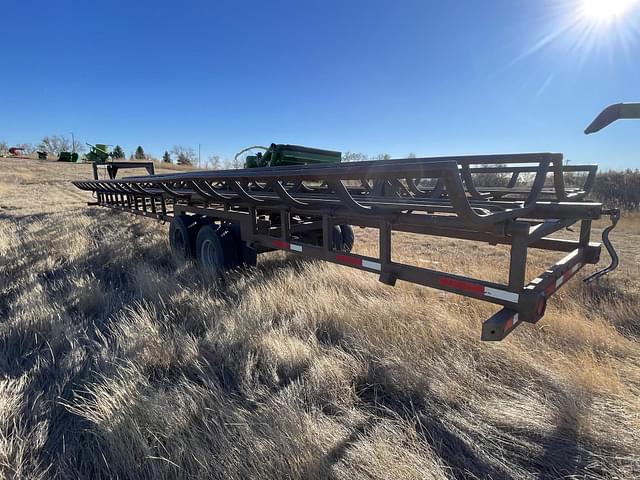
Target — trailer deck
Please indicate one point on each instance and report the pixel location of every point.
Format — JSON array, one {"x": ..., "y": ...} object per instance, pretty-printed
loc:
[{"x": 225, "y": 218}]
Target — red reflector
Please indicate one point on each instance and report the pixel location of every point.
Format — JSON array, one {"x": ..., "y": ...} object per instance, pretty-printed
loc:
[
  {"x": 349, "y": 260},
  {"x": 280, "y": 244},
  {"x": 461, "y": 285},
  {"x": 508, "y": 324},
  {"x": 550, "y": 288}
]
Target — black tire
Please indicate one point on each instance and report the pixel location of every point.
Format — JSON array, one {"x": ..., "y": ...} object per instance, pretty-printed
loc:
[
  {"x": 216, "y": 249},
  {"x": 338, "y": 243},
  {"x": 347, "y": 237},
  {"x": 182, "y": 237},
  {"x": 314, "y": 237}
]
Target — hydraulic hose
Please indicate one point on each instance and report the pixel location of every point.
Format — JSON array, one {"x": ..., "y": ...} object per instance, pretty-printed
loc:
[{"x": 614, "y": 214}]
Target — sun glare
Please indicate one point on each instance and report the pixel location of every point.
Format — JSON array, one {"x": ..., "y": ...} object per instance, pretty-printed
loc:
[{"x": 604, "y": 10}]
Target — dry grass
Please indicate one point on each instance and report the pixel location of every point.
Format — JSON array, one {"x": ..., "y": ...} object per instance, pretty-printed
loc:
[{"x": 118, "y": 361}]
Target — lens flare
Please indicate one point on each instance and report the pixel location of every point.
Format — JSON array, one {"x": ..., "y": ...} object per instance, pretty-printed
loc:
[
  {"x": 587, "y": 29},
  {"x": 604, "y": 10}
]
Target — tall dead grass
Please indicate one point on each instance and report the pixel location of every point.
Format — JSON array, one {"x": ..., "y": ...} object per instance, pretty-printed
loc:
[{"x": 119, "y": 361}]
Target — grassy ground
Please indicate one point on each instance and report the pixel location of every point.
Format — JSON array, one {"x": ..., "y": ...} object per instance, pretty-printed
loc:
[{"x": 118, "y": 361}]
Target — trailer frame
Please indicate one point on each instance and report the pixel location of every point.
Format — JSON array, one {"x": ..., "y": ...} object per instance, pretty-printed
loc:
[{"x": 278, "y": 208}]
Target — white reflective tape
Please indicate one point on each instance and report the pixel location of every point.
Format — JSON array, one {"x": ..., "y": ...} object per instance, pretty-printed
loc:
[
  {"x": 371, "y": 265},
  {"x": 515, "y": 318},
  {"x": 501, "y": 294},
  {"x": 559, "y": 282},
  {"x": 295, "y": 248}
]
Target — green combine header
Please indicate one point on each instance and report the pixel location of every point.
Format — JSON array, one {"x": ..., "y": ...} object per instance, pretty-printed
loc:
[{"x": 278, "y": 155}]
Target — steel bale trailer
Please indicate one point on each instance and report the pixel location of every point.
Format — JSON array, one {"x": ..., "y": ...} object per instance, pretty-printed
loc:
[{"x": 224, "y": 219}]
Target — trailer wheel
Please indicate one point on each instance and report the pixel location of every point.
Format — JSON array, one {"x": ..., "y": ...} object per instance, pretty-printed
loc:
[
  {"x": 347, "y": 237},
  {"x": 216, "y": 249},
  {"x": 181, "y": 237}
]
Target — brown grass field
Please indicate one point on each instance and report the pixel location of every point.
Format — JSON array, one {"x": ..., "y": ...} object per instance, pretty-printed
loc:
[{"x": 119, "y": 361}]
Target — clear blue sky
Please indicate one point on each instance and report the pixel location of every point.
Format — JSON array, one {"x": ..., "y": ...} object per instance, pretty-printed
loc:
[{"x": 372, "y": 76}]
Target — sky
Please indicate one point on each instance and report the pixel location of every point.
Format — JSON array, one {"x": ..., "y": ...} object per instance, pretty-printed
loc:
[{"x": 398, "y": 77}]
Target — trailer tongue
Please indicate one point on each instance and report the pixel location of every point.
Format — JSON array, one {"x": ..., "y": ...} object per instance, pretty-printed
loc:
[{"x": 304, "y": 201}]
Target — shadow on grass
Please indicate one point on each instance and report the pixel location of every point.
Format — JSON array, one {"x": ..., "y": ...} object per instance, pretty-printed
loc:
[
  {"x": 560, "y": 454},
  {"x": 68, "y": 363}
]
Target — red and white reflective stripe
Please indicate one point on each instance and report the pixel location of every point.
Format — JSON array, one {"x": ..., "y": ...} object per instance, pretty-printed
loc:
[
  {"x": 371, "y": 265},
  {"x": 567, "y": 275},
  {"x": 501, "y": 294},
  {"x": 511, "y": 322},
  {"x": 461, "y": 285},
  {"x": 479, "y": 289},
  {"x": 287, "y": 246},
  {"x": 562, "y": 278},
  {"x": 358, "y": 262}
]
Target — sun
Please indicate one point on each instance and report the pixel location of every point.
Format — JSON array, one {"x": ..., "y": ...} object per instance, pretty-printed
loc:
[{"x": 605, "y": 10}]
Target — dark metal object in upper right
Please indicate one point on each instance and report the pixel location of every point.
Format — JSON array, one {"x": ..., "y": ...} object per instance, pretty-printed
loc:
[{"x": 611, "y": 114}]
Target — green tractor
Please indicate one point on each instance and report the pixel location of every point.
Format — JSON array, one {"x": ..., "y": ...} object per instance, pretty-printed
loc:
[{"x": 98, "y": 153}]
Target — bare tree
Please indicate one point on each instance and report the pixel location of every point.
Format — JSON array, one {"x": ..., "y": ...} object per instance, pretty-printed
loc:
[
  {"x": 4, "y": 148},
  {"x": 55, "y": 144},
  {"x": 233, "y": 164},
  {"x": 411, "y": 155},
  {"x": 215, "y": 163},
  {"x": 184, "y": 155}
]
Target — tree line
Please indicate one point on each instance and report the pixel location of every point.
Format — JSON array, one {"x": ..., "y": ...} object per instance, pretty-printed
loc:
[
  {"x": 614, "y": 188},
  {"x": 179, "y": 154},
  {"x": 618, "y": 188}
]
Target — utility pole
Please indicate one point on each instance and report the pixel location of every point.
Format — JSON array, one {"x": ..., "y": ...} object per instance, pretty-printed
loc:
[
  {"x": 73, "y": 143},
  {"x": 198, "y": 155}
]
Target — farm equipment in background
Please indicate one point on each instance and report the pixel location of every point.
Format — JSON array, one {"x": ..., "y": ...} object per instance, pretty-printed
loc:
[
  {"x": 612, "y": 113},
  {"x": 98, "y": 153},
  {"x": 101, "y": 157},
  {"x": 304, "y": 201},
  {"x": 17, "y": 152},
  {"x": 68, "y": 157},
  {"x": 281, "y": 155}
]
